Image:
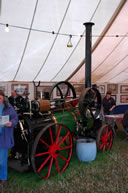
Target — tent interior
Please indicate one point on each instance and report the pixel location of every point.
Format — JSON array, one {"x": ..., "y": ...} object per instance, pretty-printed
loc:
[{"x": 46, "y": 41}]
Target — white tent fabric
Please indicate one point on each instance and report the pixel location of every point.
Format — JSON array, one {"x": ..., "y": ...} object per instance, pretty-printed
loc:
[
  {"x": 35, "y": 48},
  {"x": 110, "y": 58}
]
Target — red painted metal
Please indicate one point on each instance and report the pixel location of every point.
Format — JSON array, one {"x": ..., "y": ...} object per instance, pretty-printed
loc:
[
  {"x": 75, "y": 102},
  {"x": 54, "y": 151},
  {"x": 106, "y": 139}
]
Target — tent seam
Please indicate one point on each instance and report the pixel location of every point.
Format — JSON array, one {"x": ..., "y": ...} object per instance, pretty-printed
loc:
[{"x": 26, "y": 41}]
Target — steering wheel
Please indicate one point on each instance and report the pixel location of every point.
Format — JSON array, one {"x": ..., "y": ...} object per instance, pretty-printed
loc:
[
  {"x": 63, "y": 90},
  {"x": 90, "y": 104}
]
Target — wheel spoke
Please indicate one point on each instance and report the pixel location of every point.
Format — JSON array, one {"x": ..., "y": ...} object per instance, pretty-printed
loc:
[
  {"x": 95, "y": 97},
  {"x": 64, "y": 138},
  {"x": 44, "y": 142},
  {"x": 110, "y": 142},
  {"x": 86, "y": 102},
  {"x": 63, "y": 158},
  {"x": 58, "y": 134},
  {"x": 50, "y": 131},
  {"x": 50, "y": 166},
  {"x": 67, "y": 92},
  {"x": 110, "y": 132},
  {"x": 59, "y": 89},
  {"x": 57, "y": 166},
  {"x": 106, "y": 145},
  {"x": 42, "y": 165},
  {"x": 91, "y": 113},
  {"x": 40, "y": 154},
  {"x": 109, "y": 146},
  {"x": 101, "y": 146},
  {"x": 67, "y": 147}
]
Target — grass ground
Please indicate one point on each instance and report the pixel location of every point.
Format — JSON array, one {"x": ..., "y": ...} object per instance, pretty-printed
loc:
[{"x": 107, "y": 174}]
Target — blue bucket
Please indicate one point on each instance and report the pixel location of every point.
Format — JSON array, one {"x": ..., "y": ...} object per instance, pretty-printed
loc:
[{"x": 86, "y": 149}]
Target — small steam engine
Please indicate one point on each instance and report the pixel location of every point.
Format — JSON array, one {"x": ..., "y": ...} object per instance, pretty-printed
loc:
[{"x": 48, "y": 127}]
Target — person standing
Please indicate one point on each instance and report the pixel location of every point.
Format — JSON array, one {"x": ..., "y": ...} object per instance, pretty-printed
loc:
[
  {"x": 108, "y": 104},
  {"x": 15, "y": 99},
  {"x": 6, "y": 135}
]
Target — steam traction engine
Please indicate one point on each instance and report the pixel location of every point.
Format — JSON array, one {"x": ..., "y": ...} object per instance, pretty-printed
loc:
[{"x": 47, "y": 128}]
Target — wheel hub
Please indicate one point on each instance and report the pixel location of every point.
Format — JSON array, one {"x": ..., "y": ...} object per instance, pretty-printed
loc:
[
  {"x": 54, "y": 150},
  {"x": 105, "y": 139}
]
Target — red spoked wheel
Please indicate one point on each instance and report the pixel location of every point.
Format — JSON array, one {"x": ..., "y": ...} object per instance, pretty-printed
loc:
[
  {"x": 105, "y": 138},
  {"x": 50, "y": 154}
]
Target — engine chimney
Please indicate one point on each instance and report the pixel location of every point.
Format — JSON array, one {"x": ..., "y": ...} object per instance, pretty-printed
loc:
[{"x": 88, "y": 43}]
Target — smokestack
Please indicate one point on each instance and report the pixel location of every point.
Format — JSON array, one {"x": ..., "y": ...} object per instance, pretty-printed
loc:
[{"x": 88, "y": 44}]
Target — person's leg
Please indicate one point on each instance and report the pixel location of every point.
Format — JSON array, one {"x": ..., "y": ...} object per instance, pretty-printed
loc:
[{"x": 3, "y": 163}]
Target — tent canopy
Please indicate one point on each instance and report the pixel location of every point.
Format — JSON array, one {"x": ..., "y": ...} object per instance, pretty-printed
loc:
[{"x": 35, "y": 48}]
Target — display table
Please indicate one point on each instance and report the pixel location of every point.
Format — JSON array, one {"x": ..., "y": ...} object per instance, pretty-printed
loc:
[{"x": 111, "y": 119}]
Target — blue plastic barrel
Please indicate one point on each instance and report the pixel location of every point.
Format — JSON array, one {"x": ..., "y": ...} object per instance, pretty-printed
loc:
[{"x": 86, "y": 149}]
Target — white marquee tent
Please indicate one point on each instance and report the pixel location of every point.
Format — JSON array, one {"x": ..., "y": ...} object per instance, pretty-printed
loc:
[{"x": 35, "y": 48}]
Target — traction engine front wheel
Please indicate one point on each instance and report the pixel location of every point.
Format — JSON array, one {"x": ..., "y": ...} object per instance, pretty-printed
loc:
[
  {"x": 50, "y": 154},
  {"x": 105, "y": 138}
]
